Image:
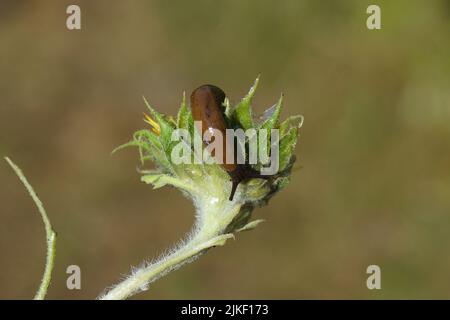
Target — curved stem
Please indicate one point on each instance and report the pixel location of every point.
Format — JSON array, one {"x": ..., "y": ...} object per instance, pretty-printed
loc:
[
  {"x": 143, "y": 277},
  {"x": 50, "y": 234},
  {"x": 213, "y": 218}
]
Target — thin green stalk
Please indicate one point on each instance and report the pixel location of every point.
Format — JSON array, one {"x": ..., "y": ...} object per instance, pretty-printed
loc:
[
  {"x": 50, "y": 234},
  {"x": 208, "y": 234},
  {"x": 139, "y": 280}
]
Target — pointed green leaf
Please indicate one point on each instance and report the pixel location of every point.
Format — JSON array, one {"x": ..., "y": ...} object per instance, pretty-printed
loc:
[
  {"x": 228, "y": 109},
  {"x": 185, "y": 120},
  {"x": 166, "y": 126},
  {"x": 282, "y": 183},
  {"x": 132, "y": 143},
  {"x": 159, "y": 180},
  {"x": 287, "y": 146},
  {"x": 296, "y": 121},
  {"x": 251, "y": 225},
  {"x": 243, "y": 112},
  {"x": 182, "y": 114},
  {"x": 154, "y": 179},
  {"x": 272, "y": 120},
  {"x": 150, "y": 147},
  {"x": 148, "y": 139}
]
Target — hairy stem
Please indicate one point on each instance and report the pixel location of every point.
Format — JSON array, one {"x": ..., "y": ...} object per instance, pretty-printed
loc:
[
  {"x": 213, "y": 221},
  {"x": 50, "y": 234}
]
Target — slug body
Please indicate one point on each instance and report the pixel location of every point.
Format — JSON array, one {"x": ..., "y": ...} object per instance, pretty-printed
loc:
[{"x": 206, "y": 107}]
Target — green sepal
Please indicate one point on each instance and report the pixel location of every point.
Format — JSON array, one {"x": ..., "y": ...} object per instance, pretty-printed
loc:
[
  {"x": 287, "y": 146},
  {"x": 273, "y": 120},
  {"x": 243, "y": 111}
]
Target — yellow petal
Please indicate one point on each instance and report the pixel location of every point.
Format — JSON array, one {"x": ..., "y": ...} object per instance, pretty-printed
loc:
[{"x": 153, "y": 124}]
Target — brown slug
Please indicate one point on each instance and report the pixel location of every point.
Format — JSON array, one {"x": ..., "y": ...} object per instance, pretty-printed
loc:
[{"x": 206, "y": 107}]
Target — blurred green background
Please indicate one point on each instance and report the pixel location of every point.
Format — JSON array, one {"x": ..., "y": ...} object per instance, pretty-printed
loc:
[{"x": 375, "y": 145}]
